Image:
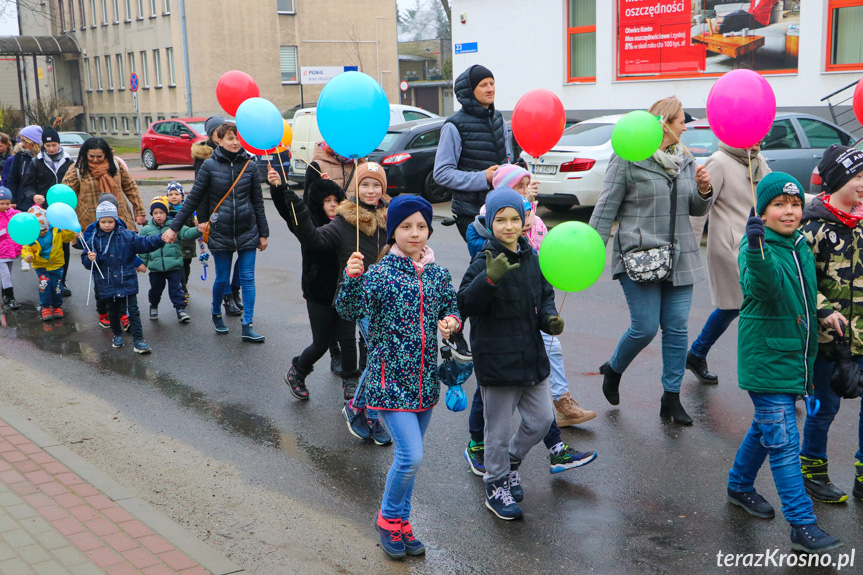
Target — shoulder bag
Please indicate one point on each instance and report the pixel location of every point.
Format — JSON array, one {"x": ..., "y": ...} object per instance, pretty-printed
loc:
[
  {"x": 653, "y": 265},
  {"x": 205, "y": 236}
]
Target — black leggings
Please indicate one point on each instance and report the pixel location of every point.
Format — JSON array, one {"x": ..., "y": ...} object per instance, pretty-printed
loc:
[{"x": 327, "y": 325}]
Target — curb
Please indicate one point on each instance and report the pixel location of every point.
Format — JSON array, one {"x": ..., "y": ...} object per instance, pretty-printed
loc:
[{"x": 206, "y": 556}]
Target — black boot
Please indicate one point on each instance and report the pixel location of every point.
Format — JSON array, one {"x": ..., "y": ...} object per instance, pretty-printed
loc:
[
  {"x": 610, "y": 383},
  {"x": 817, "y": 482},
  {"x": 237, "y": 299},
  {"x": 296, "y": 380},
  {"x": 9, "y": 299},
  {"x": 335, "y": 358},
  {"x": 670, "y": 407},
  {"x": 698, "y": 366},
  {"x": 219, "y": 323},
  {"x": 349, "y": 385},
  {"x": 231, "y": 306},
  {"x": 363, "y": 354},
  {"x": 249, "y": 334}
]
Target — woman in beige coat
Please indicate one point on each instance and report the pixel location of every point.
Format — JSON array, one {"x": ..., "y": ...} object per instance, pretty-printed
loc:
[{"x": 732, "y": 192}]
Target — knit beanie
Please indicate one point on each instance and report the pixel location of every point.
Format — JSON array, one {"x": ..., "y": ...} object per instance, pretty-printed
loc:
[
  {"x": 178, "y": 187},
  {"x": 508, "y": 175},
  {"x": 212, "y": 123},
  {"x": 775, "y": 184},
  {"x": 404, "y": 206},
  {"x": 372, "y": 170},
  {"x": 477, "y": 74},
  {"x": 5, "y": 194},
  {"x": 41, "y": 215},
  {"x": 109, "y": 198},
  {"x": 33, "y": 133},
  {"x": 839, "y": 165},
  {"x": 50, "y": 135},
  {"x": 159, "y": 202},
  {"x": 106, "y": 210},
  {"x": 501, "y": 198}
]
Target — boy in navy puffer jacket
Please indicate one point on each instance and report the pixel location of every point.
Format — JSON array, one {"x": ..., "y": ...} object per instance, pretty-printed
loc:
[{"x": 113, "y": 249}]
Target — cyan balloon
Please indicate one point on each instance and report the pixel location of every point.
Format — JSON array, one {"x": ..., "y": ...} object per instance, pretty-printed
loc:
[
  {"x": 63, "y": 194},
  {"x": 63, "y": 217},
  {"x": 260, "y": 123},
  {"x": 353, "y": 114},
  {"x": 23, "y": 228}
]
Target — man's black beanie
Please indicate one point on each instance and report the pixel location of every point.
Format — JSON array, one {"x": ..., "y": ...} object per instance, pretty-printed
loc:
[{"x": 477, "y": 74}]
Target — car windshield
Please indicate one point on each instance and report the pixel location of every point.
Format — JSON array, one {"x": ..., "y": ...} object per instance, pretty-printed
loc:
[
  {"x": 586, "y": 135},
  {"x": 197, "y": 126},
  {"x": 71, "y": 139},
  {"x": 388, "y": 141},
  {"x": 702, "y": 142}
]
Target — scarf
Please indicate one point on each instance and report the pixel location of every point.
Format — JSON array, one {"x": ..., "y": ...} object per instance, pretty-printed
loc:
[
  {"x": 742, "y": 157},
  {"x": 426, "y": 257},
  {"x": 54, "y": 160},
  {"x": 99, "y": 172},
  {"x": 230, "y": 156},
  {"x": 671, "y": 160},
  {"x": 850, "y": 220}
]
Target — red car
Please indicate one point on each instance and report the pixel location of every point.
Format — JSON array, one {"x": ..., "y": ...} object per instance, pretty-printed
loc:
[{"x": 170, "y": 141}]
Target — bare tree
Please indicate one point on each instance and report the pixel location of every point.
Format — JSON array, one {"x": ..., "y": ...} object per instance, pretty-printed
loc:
[
  {"x": 445, "y": 4},
  {"x": 10, "y": 9},
  {"x": 354, "y": 45}
]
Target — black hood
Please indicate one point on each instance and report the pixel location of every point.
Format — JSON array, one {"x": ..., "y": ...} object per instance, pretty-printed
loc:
[
  {"x": 314, "y": 199},
  {"x": 468, "y": 101},
  {"x": 817, "y": 211}
]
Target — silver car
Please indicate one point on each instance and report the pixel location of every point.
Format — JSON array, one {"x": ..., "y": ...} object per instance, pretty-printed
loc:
[{"x": 72, "y": 141}]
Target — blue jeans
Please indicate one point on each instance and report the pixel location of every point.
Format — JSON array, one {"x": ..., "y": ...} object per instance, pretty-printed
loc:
[
  {"x": 652, "y": 306},
  {"x": 817, "y": 426},
  {"x": 359, "y": 401},
  {"x": 50, "y": 290},
  {"x": 557, "y": 379},
  {"x": 713, "y": 329},
  {"x": 774, "y": 433},
  {"x": 407, "y": 429},
  {"x": 246, "y": 266}
]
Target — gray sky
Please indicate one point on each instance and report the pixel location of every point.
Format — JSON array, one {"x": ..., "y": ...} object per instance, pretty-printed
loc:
[{"x": 8, "y": 21}]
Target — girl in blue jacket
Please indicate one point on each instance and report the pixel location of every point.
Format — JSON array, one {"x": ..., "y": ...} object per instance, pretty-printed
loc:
[{"x": 407, "y": 298}]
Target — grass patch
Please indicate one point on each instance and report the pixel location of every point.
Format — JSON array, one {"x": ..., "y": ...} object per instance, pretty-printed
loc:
[{"x": 119, "y": 150}]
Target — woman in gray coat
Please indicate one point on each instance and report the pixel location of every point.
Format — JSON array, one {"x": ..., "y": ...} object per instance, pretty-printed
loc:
[{"x": 638, "y": 196}]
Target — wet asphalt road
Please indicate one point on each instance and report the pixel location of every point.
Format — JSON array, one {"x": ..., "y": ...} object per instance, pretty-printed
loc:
[{"x": 653, "y": 501}]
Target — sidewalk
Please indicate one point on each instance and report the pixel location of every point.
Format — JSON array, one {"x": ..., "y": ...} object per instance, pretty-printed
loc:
[{"x": 59, "y": 515}]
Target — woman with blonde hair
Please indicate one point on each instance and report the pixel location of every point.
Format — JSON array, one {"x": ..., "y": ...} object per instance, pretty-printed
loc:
[{"x": 652, "y": 200}]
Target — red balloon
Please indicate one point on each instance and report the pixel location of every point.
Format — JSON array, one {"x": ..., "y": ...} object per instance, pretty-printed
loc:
[
  {"x": 251, "y": 149},
  {"x": 234, "y": 88},
  {"x": 538, "y": 121},
  {"x": 858, "y": 101}
]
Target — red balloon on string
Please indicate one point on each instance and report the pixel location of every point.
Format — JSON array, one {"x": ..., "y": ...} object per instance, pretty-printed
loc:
[
  {"x": 251, "y": 149},
  {"x": 234, "y": 88},
  {"x": 538, "y": 121},
  {"x": 858, "y": 101}
]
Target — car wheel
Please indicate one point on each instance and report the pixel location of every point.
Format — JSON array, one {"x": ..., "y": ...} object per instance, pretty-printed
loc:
[
  {"x": 149, "y": 160},
  {"x": 558, "y": 208},
  {"x": 433, "y": 192}
]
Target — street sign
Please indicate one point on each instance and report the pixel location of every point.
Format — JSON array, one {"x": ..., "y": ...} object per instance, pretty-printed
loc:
[
  {"x": 466, "y": 48},
  {"x": 133, "y": 82},
  {"x": 135, "y": 100},
  {"x": 322, "y": 74},
  {"x": 404, "y": 86}
]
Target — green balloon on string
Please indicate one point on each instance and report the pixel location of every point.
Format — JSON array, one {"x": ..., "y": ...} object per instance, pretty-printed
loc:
[
  {"x": 636, "y": 136},
  {"x": 572, "y": 256}
]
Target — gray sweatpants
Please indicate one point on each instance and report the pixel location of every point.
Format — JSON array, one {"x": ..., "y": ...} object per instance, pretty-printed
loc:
[{"x": 536, "y": 411}]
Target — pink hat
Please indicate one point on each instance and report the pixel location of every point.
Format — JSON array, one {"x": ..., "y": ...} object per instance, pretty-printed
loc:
[{"x": 508, "y": 175}]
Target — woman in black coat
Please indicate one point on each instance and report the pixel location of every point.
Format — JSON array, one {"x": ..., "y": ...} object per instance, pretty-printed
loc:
[{"x": 239, "y": 225}]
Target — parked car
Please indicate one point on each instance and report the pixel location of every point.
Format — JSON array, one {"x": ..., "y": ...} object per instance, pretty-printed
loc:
[
  {"x": 170, "y": 141},
  {"x": 307, "y": 134},
  {"x": 815, "y": 180},
  {"x": 407, "y": 154},
  {"x": 72, "y": 141}
]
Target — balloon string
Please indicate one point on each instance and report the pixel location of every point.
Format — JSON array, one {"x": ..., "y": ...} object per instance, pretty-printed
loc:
[
  {"x": 309, "y": 165},
  {"x": 275, "y": 150},
  {"x": 81, "y": 236},
  {"x": 559, "y": 313},
  {"x": 677, "y": 140},
  {"x": 357, "y": 200},
  {"x": 752, "y": 187}
]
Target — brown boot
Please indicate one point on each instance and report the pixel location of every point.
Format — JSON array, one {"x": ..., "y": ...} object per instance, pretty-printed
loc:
[{"x": 569, "y": 413}]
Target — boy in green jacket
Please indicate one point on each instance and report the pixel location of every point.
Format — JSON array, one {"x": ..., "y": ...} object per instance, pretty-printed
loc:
[
  {"x": 776, "y": 348},
  {"x": 166, "y": 264}
]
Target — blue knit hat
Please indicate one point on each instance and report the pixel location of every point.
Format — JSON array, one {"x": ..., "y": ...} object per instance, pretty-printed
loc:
[
  {"x": 176, "y": 186},
  {"x": 775, "y": 184},
  {"x": 404, "y": 206},
  {"x": 5, "y": 194},
  {"x": 499, "y": 199},
  {"x": 106, "y": 210}
]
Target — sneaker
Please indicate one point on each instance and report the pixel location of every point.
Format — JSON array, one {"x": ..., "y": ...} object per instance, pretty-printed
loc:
[
  {"x": 124, "y": 322},
  {"x": 154, "y": 313},
  {"x": 515, "y": 484},
  {"x": 358, "y": 425},
  {"x": 458, "y": 345},
  {"x": 183, "y": 317},
  {"x": 698, "y": 366},
  {"x": 142, "y": 347},
  {"x": 65, "y": 290},
  {"x": 379, "y": 433},
  {"x": 563, "y": 457},
  {"x": 118, "y": 341},
  {"x": 46, "y": 314},
  {"x": 390, "y": 531},
  {"x": 475, "y": 455},
  {"x": 812, "y": 539},
  {"x": 58, "y": 313},
  {"x": 569, "y": 413},
  {"x": 857, "y": 492},
  {"x": 817, "y": 482},
  {"x": 104, "y": 321},
  {"x": 752, "y": 503},
  {"x": 499, "y": 500},
  {"x": 413, "y": 546}
]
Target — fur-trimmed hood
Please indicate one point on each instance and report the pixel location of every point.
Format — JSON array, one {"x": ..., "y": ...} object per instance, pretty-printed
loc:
[
  {"x": 369, "y": 221},
  {"x": 202, "y": 150}
]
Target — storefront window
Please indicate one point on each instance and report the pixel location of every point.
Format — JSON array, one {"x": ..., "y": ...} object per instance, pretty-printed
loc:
[
  {"x": 845, "y": 20},
  {"x": 581, "y": 40}
]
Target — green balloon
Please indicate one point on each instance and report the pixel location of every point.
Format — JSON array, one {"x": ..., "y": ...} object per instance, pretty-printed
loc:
[
  {"x": 572, "y": 256},
  {"x": 63, "y": 194},
  {"x": 636, "y": 136},
  {"x": 23, "y": 228}
]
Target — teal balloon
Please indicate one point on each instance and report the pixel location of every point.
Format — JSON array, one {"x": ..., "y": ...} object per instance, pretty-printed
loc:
[
  {"x": 353, "y": 114},
  {"x": 63, "y": 194},
  {"x": 636, "y": 136},
  {"x": 572, "y": 256},
  {"x": 260, "y": 123},
  {"x": 63, "y": 217},
  {"x": 23, "y": 228}
]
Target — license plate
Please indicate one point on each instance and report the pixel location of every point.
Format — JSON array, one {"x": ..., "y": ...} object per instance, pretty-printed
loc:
[
  {"x": 300, "y": 165},
  {"x": 548, "y": 170}
]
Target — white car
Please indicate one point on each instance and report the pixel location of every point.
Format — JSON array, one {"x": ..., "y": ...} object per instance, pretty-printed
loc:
[
  {"x": 571, "y": 174},
  {"x": 72, "y": 142}
]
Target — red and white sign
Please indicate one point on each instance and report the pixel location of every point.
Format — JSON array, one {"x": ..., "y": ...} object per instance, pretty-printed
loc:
[
  {"x": 404, "y": 86},
  {"x": 654, "y": 37}
]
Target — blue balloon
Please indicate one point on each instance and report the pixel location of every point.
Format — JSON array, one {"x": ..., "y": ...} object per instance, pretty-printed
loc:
[
  {"x": 353, "y": 114},
  {"x": 63, "y": 217},
  {"x": 260, "y": 123}
]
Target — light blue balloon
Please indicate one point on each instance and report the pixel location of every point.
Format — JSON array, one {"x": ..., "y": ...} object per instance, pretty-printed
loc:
[
  {"x": 353, "y": 114},
  {"x": 260, "y": 123},
  {"x": 63, "y": 217}
]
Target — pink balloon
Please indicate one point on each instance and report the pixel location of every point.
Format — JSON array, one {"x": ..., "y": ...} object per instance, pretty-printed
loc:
[{"x": 741, "y": 108}]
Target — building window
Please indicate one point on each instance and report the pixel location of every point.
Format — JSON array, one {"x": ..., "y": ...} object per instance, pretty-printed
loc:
[
  {"x": 103, "y": 124},
  {"x": 88, "y": 74},
  {"x": 581, "y": 41},
  {"x": 92, "y": 124},
  {"x": 140, "y": 9},
  {"x": 121, "y": 77},
  {"x": 160, "y": 118},
  {"x": 62, "y": 17},
  {"x": 137, "y": 125},
  {"x": 167, "y": 6},
  {"x": 104, "y": 12},
  {"x": 131, "y": 63},
  {"x": 71, "y": 14},
  {"x": 289, "y": 64},
  {"x": 128, "y": 4},
  {"x": 110, "y": 72},
  {"x": 169, "y": 53},
  {"x": 125, "y": 125},
  {"x": 93, "y": 13},
  {"x": 147, "y": 121},
  {"x": 83, "y": 16},
  {"x": 152, "y": 8},
  {"x": 114, "y": 124},
  {"x": 145, "y": 73},
  {"x": 844, "y": 22},
  {"x": 157, "y": 64},
  {"x": 116, "y": 11},
  {"x": 98, "y": 62},
  {"x": 285, "y": 6}
]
